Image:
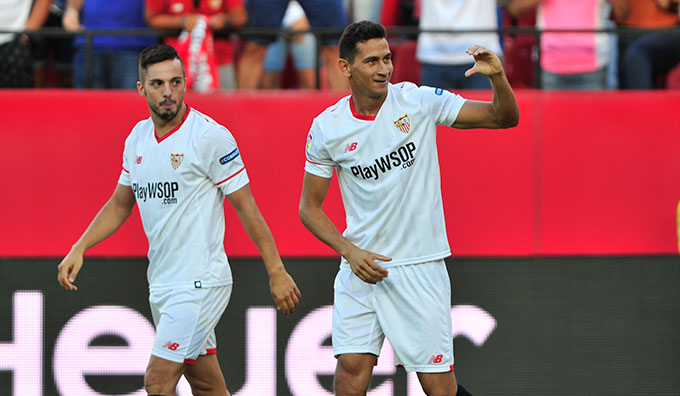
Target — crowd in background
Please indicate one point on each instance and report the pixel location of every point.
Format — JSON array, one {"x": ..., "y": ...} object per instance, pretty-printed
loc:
[{"x": 217, "y": 41}]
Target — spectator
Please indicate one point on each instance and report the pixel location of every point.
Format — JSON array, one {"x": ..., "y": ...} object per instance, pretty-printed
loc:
[
  {"x": 302, "y": 47},
  {"x": 364, "y": 10},
  {"x": 442, "y": 55},
  {"x": 19, "y": 15},
  {"x": 519, "y": 47},
  {"x": 223, "y": 16},
  {"x": 570, "y": 60},
  {"x": 646, "y": 55},
  {"x": 114, "y": 62},
  {"x": 269, "y": 14},
  {"x": 53, "y": 52}
]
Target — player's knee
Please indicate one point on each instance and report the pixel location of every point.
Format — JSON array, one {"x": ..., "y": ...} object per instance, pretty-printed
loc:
[
  {"x": 352, "y": 377},
  {"x": 202, "y": 388},
  {"x": 157, "y": 381}
]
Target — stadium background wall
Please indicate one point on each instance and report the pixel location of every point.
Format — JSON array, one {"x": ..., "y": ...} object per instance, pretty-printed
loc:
[
  {"x": 582, "y": 174},
  {"x": 565, "y": 279}
]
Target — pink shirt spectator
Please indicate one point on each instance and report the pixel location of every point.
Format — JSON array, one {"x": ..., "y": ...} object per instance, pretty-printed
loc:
[{"x": 571, "y": 53}]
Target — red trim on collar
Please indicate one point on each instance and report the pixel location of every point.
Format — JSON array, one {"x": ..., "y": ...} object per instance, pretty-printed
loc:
[
  {"x": 357, "y": 115},
  {"x": 167, "y": 135}
]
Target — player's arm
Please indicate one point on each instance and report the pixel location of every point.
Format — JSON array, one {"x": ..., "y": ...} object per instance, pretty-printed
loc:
[
  {"x": 314, "y": 190},
  {"x": 284, "y": 291},
  {"x": 110, "y": 217},
  {"x": 502, "y": 111}
]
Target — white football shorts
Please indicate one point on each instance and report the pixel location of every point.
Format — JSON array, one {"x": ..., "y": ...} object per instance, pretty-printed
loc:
[
  {"x": 411, "y": 307},
  {"x": 185, "y": 321}
]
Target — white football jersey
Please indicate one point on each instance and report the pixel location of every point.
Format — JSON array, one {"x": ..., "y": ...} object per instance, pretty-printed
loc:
[
  {"x": 388, "y": 170},
  {"x": 180, "y": 182}
]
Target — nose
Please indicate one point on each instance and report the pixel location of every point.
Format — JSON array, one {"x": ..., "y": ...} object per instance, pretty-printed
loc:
[
  {"x": 384, "y": 68},
  {"x": 166, "y": 90}
]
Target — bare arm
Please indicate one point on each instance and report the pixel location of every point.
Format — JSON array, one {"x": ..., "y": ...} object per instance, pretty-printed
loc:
[
  {"x": 110, "y": 217},
  {"x": 668, "y": 5},
  {"x": 71, "y": 18},
  {"x": 235, "y": 18},
  {"x": 38, "y": 16},
  {"x": 314, "y": 190},
  {"x": 502, "y": 111},
  {"x": 517, "y": 8},
  {"x": 285, "y": 292},
  {"x": 169, "y": 21},
  {"x": 620, "y": 10}
]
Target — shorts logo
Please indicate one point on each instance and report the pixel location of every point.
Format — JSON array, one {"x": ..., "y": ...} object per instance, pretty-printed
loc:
[
  {"x": 350, "y": 146},
  {"x": 198, "y": 284},
  {"x": 176, "y": 160},
  {"x": 229, "y": 157},
  {"x": 403, "y": 124},
  {"x": 139, "y": 159},
  {"x": 435, "y": 359},
  {"x": 171, "y": 345}
]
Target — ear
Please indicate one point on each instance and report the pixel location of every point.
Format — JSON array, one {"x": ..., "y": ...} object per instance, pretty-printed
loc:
[
  {"x": 140, "y": 89},
  {"x": 345, "y": 67}
]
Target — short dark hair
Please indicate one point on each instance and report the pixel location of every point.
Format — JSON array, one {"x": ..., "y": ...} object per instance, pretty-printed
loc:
[
  {"x": 155, "y": 54},
  {"x": 358, "y": 32}
]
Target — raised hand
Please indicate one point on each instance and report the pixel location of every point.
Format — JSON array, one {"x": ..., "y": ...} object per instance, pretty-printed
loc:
[{"x": 486, "y": 62}]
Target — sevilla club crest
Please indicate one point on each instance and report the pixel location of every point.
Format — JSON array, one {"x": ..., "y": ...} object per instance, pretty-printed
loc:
[
  {"x": 176, "y": 160},
  {"x": 403, "y": 124}
]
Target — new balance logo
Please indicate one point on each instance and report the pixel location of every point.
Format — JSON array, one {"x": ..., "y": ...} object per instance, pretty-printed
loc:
[
  {"x": 350, "y": 146},
  {"x": 435, "y": 359},
  {"x": 171, "y": 345}
]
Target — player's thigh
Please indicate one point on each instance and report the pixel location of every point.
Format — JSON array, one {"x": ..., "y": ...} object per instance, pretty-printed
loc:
[
  {"x": 414, "y": 310},
  {"x": 185, "y": 321},
  {"x": 355, "y": 327},
  {"x": 205, "y": 376}
]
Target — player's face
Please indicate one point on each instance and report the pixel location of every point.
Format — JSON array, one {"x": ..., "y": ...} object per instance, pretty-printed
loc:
[
  {"x": 164, "y": 86},
  {"x": 372, "y": 68}
]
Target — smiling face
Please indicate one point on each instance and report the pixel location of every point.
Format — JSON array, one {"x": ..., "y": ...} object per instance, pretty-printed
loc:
[
  {"x": 371, "y": 69},
  {"x": 164, "y": 86}
]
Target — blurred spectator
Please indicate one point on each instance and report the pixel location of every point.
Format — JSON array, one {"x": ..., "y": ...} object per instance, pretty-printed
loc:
[
  {"x": 643, "y": 55},
  {"x": 442, "y": 55},
  {"x": 53, "y": 52},
  {"x": 223, "y": 16},
  {"x": 400, "y": 13},
  {"x": 15, "y": 54},
  {"x": 570, "y": 60},
  {"x": 364, "y": 10},
  {"x": 269, "y": 14},
  {"x": 519, "y": 50},
  {"x": 301, "y": 47},
  {"x": 115, "y": 58}
]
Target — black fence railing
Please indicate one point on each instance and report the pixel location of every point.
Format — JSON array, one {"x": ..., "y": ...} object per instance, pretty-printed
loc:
[{"x": 322, "y": 33}]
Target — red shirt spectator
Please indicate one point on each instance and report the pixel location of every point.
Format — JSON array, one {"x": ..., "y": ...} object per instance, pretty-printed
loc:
[{"x": 182, "y": 14}]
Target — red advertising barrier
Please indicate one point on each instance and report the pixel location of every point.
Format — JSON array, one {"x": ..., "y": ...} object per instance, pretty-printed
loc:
[{"x": 594, "y": 173}]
